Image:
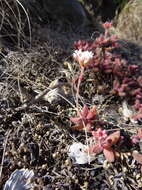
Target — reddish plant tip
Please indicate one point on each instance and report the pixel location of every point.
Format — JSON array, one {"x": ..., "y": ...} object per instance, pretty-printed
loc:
[
  {"x": 85, "y": 118},
  {"x": 99, "y": 134},
  {"x": 140, "y": 133}
]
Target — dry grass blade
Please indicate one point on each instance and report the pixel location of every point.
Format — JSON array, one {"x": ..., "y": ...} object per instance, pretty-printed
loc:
[
  {"x": 28, "y": 19},
  {"x": 4, "y": 150},
  {"x": 14, "y": 17}
]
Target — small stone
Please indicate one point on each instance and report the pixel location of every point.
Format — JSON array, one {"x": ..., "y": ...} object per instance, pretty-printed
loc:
[
  {"x": 44, "y": 166},
  {"x": 92, "y": 173},
  {"x": 106, "y": 164},
  {"x": 19, "y": 179},
  {"x": 85, "y": 184},
  {"x": 138, "y": 176},
  {"x": 67, "y": 162},
  {"x": 125, "y": 169},
  {"x": 55, "y": 154}
]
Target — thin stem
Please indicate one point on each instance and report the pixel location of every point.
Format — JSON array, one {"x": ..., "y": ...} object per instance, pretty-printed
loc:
[{"x": 78, "y": 85}]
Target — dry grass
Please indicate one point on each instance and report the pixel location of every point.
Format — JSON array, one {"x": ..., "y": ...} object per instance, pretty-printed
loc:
[{"x": 14, "y": 21}]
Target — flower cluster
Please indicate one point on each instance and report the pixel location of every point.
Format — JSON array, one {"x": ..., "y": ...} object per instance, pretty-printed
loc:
[
  {"x": 127, "y": 81},
  {"x": 83, "y": 57}
]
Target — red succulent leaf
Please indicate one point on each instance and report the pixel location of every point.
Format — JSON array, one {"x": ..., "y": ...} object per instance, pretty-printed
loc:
[
  {"x": 92, "y": 113},
  {"x": 99, "y": 135},
  {"x": 121, "y": 94},
  {"x": 133, "y": 68},
  {"x": 94, "y": 149},
  {"x": 137, "y": 116},
  {"x": 135, "y": 139},
  {"x": 95, "y": 134},
  {"x": 137, "y": 156},
  {"x": 136, "y": 92},
  {"x": 137, "y": 104},
  {"x": 116, "y": 84},
  {"x": 139, "y": 80},
  {"x": 112, "y": 139},
  {"x": 109, "y": 155},
  {"x": 75, "y": 120},
  {"x": 140, "y": 133},
  {"x": 123, "y": 87},
  {"x": 84, "y": 112}
]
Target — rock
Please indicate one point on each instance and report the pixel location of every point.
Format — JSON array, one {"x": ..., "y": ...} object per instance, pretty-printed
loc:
[
  {"x": 129, "y": 22},
  {"x": 77, "y": 154},
  {"x": 19, "y": 180},
  {"x": 103, "y": 10},
  {"x": 67, "y": 11}
]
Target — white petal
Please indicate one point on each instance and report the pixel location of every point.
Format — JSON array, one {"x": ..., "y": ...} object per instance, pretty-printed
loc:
[{"x": 76, "y": 152}]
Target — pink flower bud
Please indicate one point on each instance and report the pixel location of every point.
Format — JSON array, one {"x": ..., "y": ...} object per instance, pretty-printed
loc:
[{"x": 107, "y": 25}]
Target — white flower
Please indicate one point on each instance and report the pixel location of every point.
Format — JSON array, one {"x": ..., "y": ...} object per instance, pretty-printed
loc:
[{"x": 83, "y": 57}]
